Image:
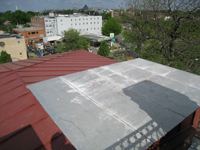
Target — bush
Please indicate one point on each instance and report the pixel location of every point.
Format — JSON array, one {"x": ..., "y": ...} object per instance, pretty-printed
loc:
[
  {"x": 104, "y": 49},
  {"x": 5, "y": 57}
]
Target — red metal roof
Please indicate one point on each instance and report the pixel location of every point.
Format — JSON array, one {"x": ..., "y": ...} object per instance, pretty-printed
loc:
[{"x": 24, "y": 124}]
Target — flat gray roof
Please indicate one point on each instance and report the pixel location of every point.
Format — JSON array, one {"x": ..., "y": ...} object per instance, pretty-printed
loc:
[
  {"x": 98, "y": 38},
  {"x": 119, "y": 106},
  {"x": 27, "y": 29}
]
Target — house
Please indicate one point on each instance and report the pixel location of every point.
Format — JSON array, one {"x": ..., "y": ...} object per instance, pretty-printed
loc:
[
  {"x": 84, "y": 101},
  {"x": 14, "y": 45},
  {"x": 31, "y": 34}
]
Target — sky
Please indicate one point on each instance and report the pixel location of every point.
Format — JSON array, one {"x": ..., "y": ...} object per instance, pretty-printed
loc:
[{"x": 38, "y": 5}]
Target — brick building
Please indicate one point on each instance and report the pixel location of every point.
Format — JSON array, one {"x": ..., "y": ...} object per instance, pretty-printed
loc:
[{"x": 31, "y": 34}]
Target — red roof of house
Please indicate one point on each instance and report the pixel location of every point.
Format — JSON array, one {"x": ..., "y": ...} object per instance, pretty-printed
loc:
[{"x": 24, "y": 124}]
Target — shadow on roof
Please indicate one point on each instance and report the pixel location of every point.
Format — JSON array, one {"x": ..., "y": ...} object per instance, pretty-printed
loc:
[{"x": 165, "y": 107}]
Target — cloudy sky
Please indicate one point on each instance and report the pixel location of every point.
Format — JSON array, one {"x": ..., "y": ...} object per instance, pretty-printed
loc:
[{"x": 38, "y": 5}]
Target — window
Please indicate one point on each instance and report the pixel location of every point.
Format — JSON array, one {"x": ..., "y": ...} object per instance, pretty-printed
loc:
[
  {"x": 75, "y": 23},
  {"x": 98, "y": 28},
  {"x": 79, "y": 29},
  {"x": 90, "y": 18},
  {"x": 36, "y": 32},
  {"x": 72, "y": 24},
  {"x": 97, "y": 18},
  {"x": 86, "y": 18},
  {"x": 83, "y": 23},
  {"x": 79, "y": 19},
  {"x": 75, "y": 19},
  {"x": 94, "y": 18},
  {"x": 32, "y": 32},
  {"x": 50, "y": 25},
  {"x": 91, "y": 28},
  {"x": 71, "y": 19},
  {"x": 87, "y": 29},
  {"x": 47, "y": 25},
  {"x": 90, "y": 22},
  {"x": 61, "y": 20},
  {"x": 94, "y": 22},
  {"x": 94, "y": 28},
  {"x": 2, "y": 44},
  {"x": 97, "y": 22},
  {"x": 29, "y": 33},
  {"x": 20, "y": 53},
  {"x": 79, "y": 23},
  {"x": 87, "y": 23},
  {"x": 83, "y": 18}
]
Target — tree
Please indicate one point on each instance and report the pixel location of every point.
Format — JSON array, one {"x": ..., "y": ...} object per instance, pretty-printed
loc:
[
  {"x": 111, "y": 26},
  {"x": 5, "y": 57},
  {"x": 106, "y": 16},
  {"x": 104, "y": 49},
  {"x": 72, "y": 41},
  {"x": 165, "y": 31}
]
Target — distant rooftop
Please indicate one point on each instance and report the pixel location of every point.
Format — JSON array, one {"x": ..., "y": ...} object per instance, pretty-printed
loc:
[
  {"x": 96, "y": 37},
  {"x": 27, "y": 29},
  {"x": 2, "y": 36}
]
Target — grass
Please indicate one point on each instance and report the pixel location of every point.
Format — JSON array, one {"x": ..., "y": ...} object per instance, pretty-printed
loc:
[{"x": 31, "y": 56}]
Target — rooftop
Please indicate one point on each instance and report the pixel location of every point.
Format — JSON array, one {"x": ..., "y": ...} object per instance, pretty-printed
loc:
[
  {"x": 24, "y": 124},
  {"x": 2, "y": 36},
  {"x": 119, "y": 106},
  {"x": 27, "y": 29}
]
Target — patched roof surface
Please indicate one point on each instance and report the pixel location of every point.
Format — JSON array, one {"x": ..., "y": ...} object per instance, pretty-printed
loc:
[
  {"x": 124, "y": 105},
  {"x": 24, "y": 124}
]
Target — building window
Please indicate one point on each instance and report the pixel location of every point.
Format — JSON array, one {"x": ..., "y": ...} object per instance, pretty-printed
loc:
[
  {"x": 47, "y": 25},
  {"x": 37, "y": 32},
  {"x": 29, "y": 33},
  {"x": 94, "y": 18},
  {"x": 75, "y": 23},
  {"x": 97, "y": 22},
  {"x": 97, "y": 18},
  {"x": 79, "y": 19},
  {"x": 86, "y": 18},
  {"x": 20, "y": 53},
  {"x": 91, "y": 28},
  {"x": 87, "y": 23},
  {"x": 98, "y": 28},
  {"x": 94, "y": 28},
  {"x": 83, "y": 18},
  {"x": 94, "y": 22},
  {"x": 79, "y": 23},
  {"x": 72, "y": 24},
  {"x": 83, "y": 23},
  {"x": 75, "y": 19},
  {"x": 32, "y": 32},
  {"x": 79, "y": 29},
  {"x": 61, "y": 20},
  {"x": 71, "y": 19},
  {"x": 90, "y": 22},
  {"x": 90, "y": 18},
  {"x": 87, "y": 29}
]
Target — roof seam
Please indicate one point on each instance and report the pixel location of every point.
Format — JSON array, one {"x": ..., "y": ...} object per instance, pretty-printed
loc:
[
  {"x": 17, "y": 97},
  {"x": 20, "y": 111}
]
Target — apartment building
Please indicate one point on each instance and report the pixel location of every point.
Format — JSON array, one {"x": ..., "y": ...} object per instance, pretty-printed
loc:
[
  {"x": 84, "y": 24},
  {"x": 47, "y": 23},
  {"x": 13, "y": 45},
  {"x": 55, "y": 25}
]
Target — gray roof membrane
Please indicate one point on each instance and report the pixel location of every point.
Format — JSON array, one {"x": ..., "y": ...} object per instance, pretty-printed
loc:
[{"x": 127, "y": 105}]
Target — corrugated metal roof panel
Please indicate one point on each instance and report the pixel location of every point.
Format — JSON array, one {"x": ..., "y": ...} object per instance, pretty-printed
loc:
[{"x": 22, "y": 118}]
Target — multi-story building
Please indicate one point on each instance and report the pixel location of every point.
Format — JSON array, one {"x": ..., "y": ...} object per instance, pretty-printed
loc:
[
  {"x": 30, "y": 33},
  {"x": 84, "y": 24},
  {"x": 56, "y": 25},
  {"x": 13, "y": 45},
  {"x": 47, "y": 23}
]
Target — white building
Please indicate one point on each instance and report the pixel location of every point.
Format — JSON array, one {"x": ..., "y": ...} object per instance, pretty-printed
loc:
[
  {"x": 83, "y": 24},
  {"x": 50, "y": 26}
]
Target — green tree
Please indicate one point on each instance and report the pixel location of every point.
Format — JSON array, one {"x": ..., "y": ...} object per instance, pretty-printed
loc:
[
  {"x": 165, "y": 32},
  {"x": 106, "y": 16},
  {"x": 111, "y": 26},
  {"x": 72, "y": 41},
  {"x": 104, "y": 49},
  {"x": 5, "y": 57},
  {"x": 26, "y": 25}
]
